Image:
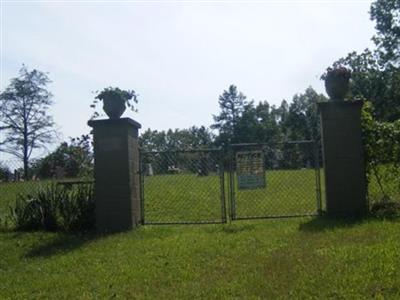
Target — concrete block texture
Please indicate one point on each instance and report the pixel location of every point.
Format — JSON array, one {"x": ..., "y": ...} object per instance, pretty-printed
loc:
[
  {"x": 343, "y": 157},
  {"x": 116, "y": 174}
]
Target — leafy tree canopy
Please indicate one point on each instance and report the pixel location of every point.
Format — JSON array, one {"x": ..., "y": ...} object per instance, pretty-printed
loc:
[
  {"x": 376, "y": 72},
  {"x": 386, "y": 14},
  {"x": 73, "y": 159}
]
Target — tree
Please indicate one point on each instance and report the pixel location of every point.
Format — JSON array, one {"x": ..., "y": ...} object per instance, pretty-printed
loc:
[
  {"x": 301, "y": 122},
  {"x": 386, "y": 14},
  {"x": 232, "y": 104},
  {"x": 201, "y": 137},
  {"x": 257, "y": 124},
  {"x": 23, "y": 114},
  {"x": 74, "y": 158},
  {"x": 5, "y": 172},
  {"x": 178, "y": 139},
  {"x": 376, "y": 73},
  {"x": 374, "y": 81}
]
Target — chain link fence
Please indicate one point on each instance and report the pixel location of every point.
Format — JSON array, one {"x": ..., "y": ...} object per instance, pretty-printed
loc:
[
  {"x": 275, "y": 180},
  {"x": 13, "y": 183},
  {"x": 384, "y": 183},
  {"x": 182, "y": 187},
  {"x": 199, "y": 186}
]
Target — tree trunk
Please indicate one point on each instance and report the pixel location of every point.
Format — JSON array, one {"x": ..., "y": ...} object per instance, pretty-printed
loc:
[
  {"x": 25, "y": 154},
  {"x": 26, "y": 168}
]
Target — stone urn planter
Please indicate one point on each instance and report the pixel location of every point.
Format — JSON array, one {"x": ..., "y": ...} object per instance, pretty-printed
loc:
[
  {"x": 116, "y": 100},
  {"x": 114, "y": 107},
  {"x": 337, "y": 83}
]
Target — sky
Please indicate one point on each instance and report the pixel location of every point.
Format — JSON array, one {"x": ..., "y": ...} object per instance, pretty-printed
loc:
[{"x": 178, "y": 56}]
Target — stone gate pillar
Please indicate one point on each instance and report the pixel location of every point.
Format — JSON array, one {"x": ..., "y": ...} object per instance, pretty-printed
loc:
[
  {"x": 116, "y": 174},
  {"x": 345, "y": 183}
]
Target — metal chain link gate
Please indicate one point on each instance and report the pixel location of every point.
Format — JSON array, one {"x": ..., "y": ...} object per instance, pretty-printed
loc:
[
  {"x": 264, "y": 181},
  {"x": 183, "y": 187},
  {"x": 274, "y": 180}
]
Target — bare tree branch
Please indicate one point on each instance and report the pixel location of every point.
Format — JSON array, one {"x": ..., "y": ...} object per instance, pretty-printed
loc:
[{"x": 23, "y": 115}]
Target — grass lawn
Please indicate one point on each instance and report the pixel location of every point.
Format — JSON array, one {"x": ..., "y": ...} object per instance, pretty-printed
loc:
[
  {"x": 295, "y": 258},
  {"x": 9, "y": 191},
  {"x": 285, "y": 258},
  {"x": 190, "y": 198}
]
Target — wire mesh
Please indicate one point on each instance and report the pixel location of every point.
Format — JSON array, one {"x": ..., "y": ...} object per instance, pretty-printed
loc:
[
  {"x": 181, "y": 187},
  {"x": 275, "y": 180},
  {"x": 384, "y": 183},
  {"x": 13, "y": 183}
]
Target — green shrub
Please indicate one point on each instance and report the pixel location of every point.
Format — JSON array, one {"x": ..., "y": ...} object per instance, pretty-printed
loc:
[
  {"x": 26, "y": 214},
  {"x": 77, "y": 210},
  {"x": 382, "y": 155},
  {"x": 4, "y": 222},
  {"x": 386, "y": 209},
  {"x": 54, "y": 207}
]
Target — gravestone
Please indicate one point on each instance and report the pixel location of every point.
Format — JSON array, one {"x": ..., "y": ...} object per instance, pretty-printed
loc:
[{"x": 149, "y": 170}]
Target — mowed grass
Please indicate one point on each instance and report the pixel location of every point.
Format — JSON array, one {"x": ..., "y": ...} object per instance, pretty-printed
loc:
[
  {"x": 182, "y": 198},
  {"x": 287, "y": 193},
  {"x": 265, "y": 259},
  {"x": 9, "y": 192},
  {"x": 192, "y": 198}
]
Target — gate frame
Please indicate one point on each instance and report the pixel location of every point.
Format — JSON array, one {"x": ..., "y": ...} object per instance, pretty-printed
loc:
[
  {"x": 231, "y": 182},
  {"x": 221, "y": 175}
]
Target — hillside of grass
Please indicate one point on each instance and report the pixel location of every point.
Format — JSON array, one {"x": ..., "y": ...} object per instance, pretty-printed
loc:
[{"x": 296, "y": 258}]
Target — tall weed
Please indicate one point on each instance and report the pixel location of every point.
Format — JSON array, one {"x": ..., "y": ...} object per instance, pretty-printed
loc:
[{"x": 55, "y": 207}]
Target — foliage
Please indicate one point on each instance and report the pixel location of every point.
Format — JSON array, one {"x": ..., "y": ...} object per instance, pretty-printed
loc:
[
  {"x": 263, "y": 123},
  {"x": 37, "y": 210},
  {"x": 178, "y": 139},
  {"x": 5, "y": 172},
  {"x": 386, "y": 209},
  {"x": 232, "y": 104},
  {"x": 76, "y": 211},
  {"x": 75, "y": 159},
  {"x": 114, "y": 93},
  {"x": 24, "y": 115},
  {"x": 336, "y": 73},
  {"x": 254, "y": 123},
  {"x": 374, "y": 82},
  {"x": 376, "y": 72},
  {"x": 302, "y": 120},
  {"x": 53, "y": 207},
  {"x": 386, "y": 14},
  {"x": 382, "y": 151},
  {"x": 258, "y": 123},
  {"x": 173, "y": 140}
]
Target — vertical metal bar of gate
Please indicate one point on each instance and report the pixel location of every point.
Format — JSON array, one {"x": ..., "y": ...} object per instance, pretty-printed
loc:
[
  {"x": 222, "y": 185},
  {"x": 232, "y": 188},
  {"x": 317, "y": 177},
  {"x": 221, "y": 173},
  {"x": 232, "y": 183},
  {"x": 141, "y": 183}
]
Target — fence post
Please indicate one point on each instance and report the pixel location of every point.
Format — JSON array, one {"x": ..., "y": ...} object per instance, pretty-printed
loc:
[
  {"x": 343, "y": 157},
  {"x": 116, "y": 174}
]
